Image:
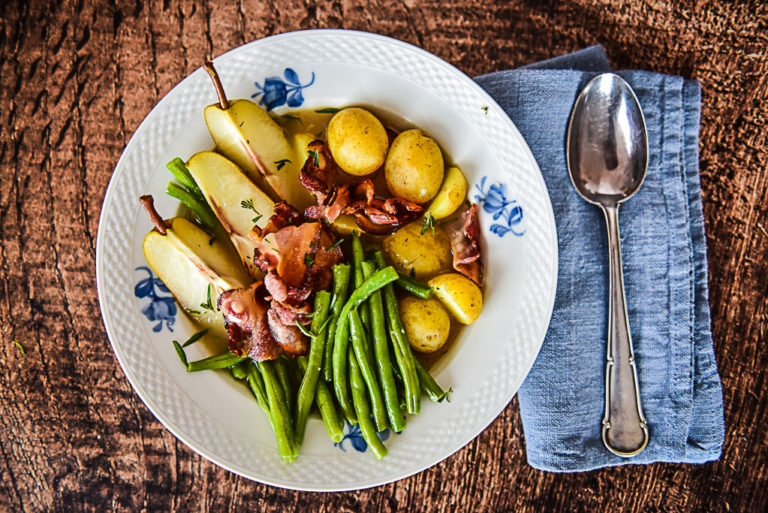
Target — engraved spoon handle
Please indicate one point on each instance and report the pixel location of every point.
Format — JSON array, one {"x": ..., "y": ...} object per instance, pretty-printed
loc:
[{"x": 625, "y": 432}]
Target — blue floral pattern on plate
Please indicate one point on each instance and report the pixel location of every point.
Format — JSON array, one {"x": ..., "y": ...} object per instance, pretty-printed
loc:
[
  {"x": 161, "y": 308},
  {"x": 494, "y": 201},
  {"x": 278, "y": 91},
  {"x": 355, "y": 437}
]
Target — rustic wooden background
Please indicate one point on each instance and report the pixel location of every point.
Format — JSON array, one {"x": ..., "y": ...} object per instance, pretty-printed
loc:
[{"x": 78, "y": 77}]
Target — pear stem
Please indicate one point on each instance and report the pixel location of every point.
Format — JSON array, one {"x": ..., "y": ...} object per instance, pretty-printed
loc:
[
  {"x": 157, "y": 220},
  {"x": 223, "y": 102}
]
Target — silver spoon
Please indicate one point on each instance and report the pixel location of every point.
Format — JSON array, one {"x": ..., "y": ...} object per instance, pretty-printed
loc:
[{"x": 607, "y": 153}]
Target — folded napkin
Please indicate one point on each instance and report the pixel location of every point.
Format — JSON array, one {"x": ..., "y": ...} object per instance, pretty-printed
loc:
[{"x": 665, "y": 273}]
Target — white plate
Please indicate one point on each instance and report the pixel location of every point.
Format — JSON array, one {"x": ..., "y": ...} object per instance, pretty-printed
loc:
[{"x": 215, "y": 416}]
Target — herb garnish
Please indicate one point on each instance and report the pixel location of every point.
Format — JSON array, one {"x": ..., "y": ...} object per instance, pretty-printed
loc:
[
  {"x": 314, "y": 155},
  {"x": 192, "y": 312},
  {"x": 208, "y": 305},
  {"x": 429, "y": 222},
  {"x": 194, "y": 338},
  {"x": 335, "y": 245},
  {"x": 485, "y": 109},
  {"x": 289, "y": 116},
  {"x": 21, "y": 348},
  {"x": 327, "y": 110},
  {"x": 308, "y": 333},
  {"x": 248, "y": 204},
  {"x": 281, "y": 163},
  {"x": 241, "y": 123},
  {"x": 308, "y": 260},
  {"x": 181, "y": 353}
]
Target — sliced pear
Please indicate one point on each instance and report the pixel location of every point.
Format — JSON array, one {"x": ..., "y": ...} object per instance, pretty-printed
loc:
[
  {"x": 295, "y": 193},
  {"x": 190, "y": 264},
  {"x": 237, "y": 202},
  {"x": 245, "y": 133}
]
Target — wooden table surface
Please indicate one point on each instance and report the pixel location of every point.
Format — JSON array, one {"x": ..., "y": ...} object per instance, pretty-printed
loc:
[{"x": 77, "y": 79}]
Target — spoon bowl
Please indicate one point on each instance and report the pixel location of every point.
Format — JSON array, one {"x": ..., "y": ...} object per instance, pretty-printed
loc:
[
  {"x": 607, "y": 156},
  {"x": 607, "y": 141}
]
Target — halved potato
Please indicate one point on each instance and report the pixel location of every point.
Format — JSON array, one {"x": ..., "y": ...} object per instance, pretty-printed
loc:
[
  {"x": 357, "y": 140},
  {"x": 425, "y": 254},
  {"x": 459, "y": 295},
  {"x": 427, "y": 324},
  {"x": 414, "y": 166},
  {"x": 451, "y": 195}
]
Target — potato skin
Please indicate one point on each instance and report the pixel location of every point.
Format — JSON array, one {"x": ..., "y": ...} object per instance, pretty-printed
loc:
[
  {"x": 459, "y": 295},
  {"x": 427, "y": 323},
  {"x": 358, "y": 141},
  {"x": 414, "y": 167},
  {"x": 426, "y": 254}
]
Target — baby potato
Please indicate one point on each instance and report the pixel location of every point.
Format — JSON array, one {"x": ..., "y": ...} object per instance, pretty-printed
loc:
[
  {"x": 425, "y": 254},
  {"x": 358, "y": 141},
  {"x": 451, "y": 195},
  {"x": 414, "y": 166},
  {"x": 426, "y": 322},
  {"x": 459, "y": 295}
]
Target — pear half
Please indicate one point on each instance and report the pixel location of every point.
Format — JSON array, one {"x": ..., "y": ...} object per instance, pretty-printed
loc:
[
  {"x": 248, "y": 136},
  {"x": 189, "y": 264},
  {"x": 228, "y": 190}
]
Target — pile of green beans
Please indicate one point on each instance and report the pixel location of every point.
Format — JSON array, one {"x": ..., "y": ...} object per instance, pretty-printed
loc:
[{"x": 360, "y": 367}]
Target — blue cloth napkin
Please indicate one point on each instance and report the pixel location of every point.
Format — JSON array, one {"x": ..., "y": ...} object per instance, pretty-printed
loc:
[{"x": 665, "y": 273}]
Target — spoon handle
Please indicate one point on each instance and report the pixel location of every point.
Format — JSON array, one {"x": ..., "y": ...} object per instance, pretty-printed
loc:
[{"x": 625, "y": 432}]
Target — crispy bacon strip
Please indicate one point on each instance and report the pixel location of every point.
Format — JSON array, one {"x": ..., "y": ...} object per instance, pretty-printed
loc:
[
  {"x": 380, "y": 217},
  {"x": 283, "y": 215},
  {"x": 297, "y": 261},
  {"x": 465, "y": 246},
  {"x": 245, "y": 317},
  {"x": 289, "y": 336}
]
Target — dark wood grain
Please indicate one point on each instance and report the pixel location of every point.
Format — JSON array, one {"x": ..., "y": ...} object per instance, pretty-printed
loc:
[{"x": 78, "y": 77}]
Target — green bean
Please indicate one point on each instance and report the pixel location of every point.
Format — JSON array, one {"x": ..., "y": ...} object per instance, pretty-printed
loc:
[
  {"x": 341, "y": 339},
  {"x": 279, "y": 415},
  {"x": 219, "y": 361},
  {"x": 182, "y": 174},
  {"x": 341, "y": 274},
  {"x": 198, "y": 206},
  {"x": 358, "y": 255},
  {"x": 381, "y": 357},
  {"x": 403, "y": 354},
  {"x": 363, "y": 409},
  {"x": 429, "y": 386},
  {"x": 324, "y": 400},
  {"x": 256, "y": 382},
  {"x": 360, "y": 347},
  {"x": 240, "y": 371},
  {"x": 414, "y": 286},
  {"x": 314, "y": 365},
  {"x": 286, "y": 383}
]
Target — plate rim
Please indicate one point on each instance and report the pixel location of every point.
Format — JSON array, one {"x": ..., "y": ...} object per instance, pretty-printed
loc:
[{"x": 110, "y": 192}]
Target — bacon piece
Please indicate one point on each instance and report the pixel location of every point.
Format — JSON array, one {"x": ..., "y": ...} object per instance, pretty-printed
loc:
[
  {"x": 297, "y": 261},
  {"x": 465, "y": 245},
  {"x": 317, "y": 173},
  {"x": 317, "y": 176},
  {"x": 380, "y": 217},
  {"x": 245, "y": 317},
  {"x": 289, "y": 336},
  {"x": 283, "y": 215}
]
